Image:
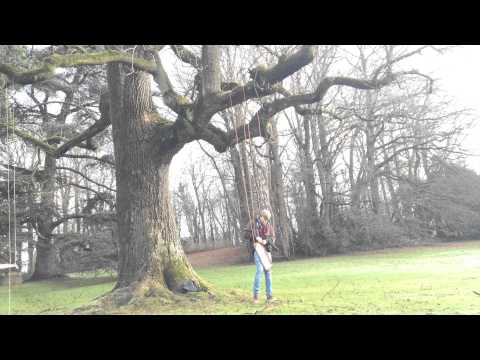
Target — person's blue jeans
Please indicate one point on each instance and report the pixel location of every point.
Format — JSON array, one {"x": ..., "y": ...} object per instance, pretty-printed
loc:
[{"x": 258, "y": 278}]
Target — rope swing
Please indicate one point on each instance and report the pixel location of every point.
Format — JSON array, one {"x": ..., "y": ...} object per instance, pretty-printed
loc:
[
  {"x": 251, "y": 207},
  {"x": 12, "y": 264}
]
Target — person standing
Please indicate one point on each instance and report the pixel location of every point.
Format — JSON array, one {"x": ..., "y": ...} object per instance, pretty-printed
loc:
[{"x": 262, "y": 240}]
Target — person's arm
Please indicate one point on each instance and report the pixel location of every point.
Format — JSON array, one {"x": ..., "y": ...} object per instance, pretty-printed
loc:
[
  {"x": 261, "y": 241},
  {"x": 270, "y": 232}
]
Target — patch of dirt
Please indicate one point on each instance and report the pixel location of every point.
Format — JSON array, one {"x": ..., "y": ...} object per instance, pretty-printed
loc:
[
  {"x": 225, "y": 256},
  {"x": 239, "y": 255}
]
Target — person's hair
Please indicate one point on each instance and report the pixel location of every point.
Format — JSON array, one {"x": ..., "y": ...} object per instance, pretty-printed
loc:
[{"x": 266, "y": 214}]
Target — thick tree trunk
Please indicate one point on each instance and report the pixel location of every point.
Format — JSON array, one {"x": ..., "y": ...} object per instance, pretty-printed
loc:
[
  {"x": 241, "y": 172},
  {"x": 247, "y": 176},
  {"x": 385, "y": 198},
  {"x": 18, "y": 260},
  {"x": 396, "y": 216},
  {"x": 31, "y": 260},
  {"x": 370, "y": 134},
  {"x": 354, "y": 191},
  {"x": 65, "y": 204},
  {"x": 30, "y": 251},
  {"x": 252, "y": 208},
  {"x": 314, "y": 239},
  {"x": 426, "y": 168},
  {"x": 371, "y": 170},
  {"x": 151, "y": 258},
  {"x": 324, "y": 167},
  {"x": 47, "y": 264},
  {"x": 278, "y": 196},
  {"x": 241, "y": 189},
  {"x": 78, "y": 221},
  {"x": 149, "y": 247}
]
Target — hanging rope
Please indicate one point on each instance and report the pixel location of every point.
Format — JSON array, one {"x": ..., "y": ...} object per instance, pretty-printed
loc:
[
  {"x": 269, "y": 178},
  {"x": 264, "y": 198},
  {"x": 247, "y": 131},
  {"x": 235, "y": 120},
  {"x": 14, "y": 194},
  {"x": 7, "y": 120},
  {"x": 247, "y": 177},
  {"x": 255, "y": 174},
  {"x": 10, "y": 136},
  {"x": 260, "y": 133}
]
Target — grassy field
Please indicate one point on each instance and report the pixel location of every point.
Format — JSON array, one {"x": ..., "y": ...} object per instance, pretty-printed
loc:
[{"x": 422, "y": 280}]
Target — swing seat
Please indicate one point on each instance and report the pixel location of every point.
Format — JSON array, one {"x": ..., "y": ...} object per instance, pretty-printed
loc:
[
  {"x": 8, "y": 266},
  {"x": 10, "y": 278}
]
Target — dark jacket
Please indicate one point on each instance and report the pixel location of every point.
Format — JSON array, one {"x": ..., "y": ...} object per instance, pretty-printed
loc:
[{"x": 266, "y": 232}]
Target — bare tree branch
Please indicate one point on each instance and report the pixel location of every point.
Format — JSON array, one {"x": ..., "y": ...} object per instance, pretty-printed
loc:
[
  {"x": 108, "y": 216},
  {"x": 47, "y": 70},
  {"x": 170, "y": 97},
  {"x": 211, "y": 74},
  {"x": 104, "y": 159},
  {"x": 270, "y": 76},
  {"x": 85, "y": 177},
  {"x": 257, "y": 124},
  {"x": 93, "y": 130},
  {"x": 187, "y": 56}
]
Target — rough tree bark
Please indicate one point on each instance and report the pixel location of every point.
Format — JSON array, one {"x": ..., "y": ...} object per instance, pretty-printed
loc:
[
  {"x": 396, "y": 216},
  {"x": 371, "y": 155},
  {"x": 78, "y": 222},
  {"x": 324, "y": 166},
  {"x": 65, "y": 195},
  {"x": 47, "y": 264},
  {"x": 151, "y": 256},
  {"x": 313, "y": 231},
  {"x": 278, "y": 196},
  {"x": 241, "y": 171}
]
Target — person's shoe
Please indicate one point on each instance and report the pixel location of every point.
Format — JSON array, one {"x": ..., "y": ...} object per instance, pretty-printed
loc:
[
  {"x": 255, "y": 299},
  {"x": 270, "y": 298}
]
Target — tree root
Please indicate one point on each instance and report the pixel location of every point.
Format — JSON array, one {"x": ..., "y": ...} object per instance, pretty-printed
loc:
[{"x": 140, "y": 292}]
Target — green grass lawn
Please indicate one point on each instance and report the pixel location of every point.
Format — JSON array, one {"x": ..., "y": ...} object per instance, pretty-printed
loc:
[{"x": 425, "y": 280}]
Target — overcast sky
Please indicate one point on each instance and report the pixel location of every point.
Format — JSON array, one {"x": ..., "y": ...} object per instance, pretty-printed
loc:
[{"x": 458, "y": 72}]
